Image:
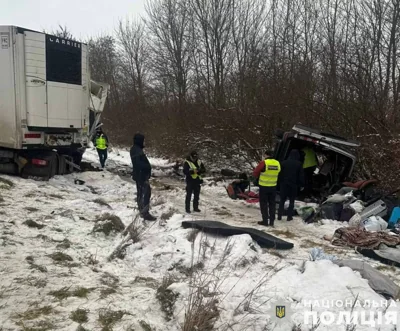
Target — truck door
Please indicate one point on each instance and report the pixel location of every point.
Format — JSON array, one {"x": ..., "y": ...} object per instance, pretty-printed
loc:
[{"x": 35, "y": 74}]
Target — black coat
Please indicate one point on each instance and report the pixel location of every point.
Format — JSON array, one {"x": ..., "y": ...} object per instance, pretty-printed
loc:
[
  {"x": 189, "y": 172},
  {"x": 292, "y": 173},
  {"x": 141, "y": 168}
]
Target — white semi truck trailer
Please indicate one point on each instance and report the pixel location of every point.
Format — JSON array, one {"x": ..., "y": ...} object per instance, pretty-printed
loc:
[{"x": 49, "y": 106}]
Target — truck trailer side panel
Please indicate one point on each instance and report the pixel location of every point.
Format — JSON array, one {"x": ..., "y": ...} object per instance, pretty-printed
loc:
[{"x": 8, "y": 124}]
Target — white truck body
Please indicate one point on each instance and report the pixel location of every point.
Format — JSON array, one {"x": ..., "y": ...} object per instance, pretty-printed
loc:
[
  {"x": 46, "y": 100},
  {"x": 44, "y": 89}
]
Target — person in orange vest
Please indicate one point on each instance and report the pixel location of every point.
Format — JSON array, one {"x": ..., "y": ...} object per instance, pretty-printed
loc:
[{"x": 267, "y": 173}]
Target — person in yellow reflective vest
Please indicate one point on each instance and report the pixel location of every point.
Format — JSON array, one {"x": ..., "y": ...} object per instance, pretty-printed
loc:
[
  {"x": 310, "y": 163},
  {"x": 267, "y": 173},
  {"x": 193, "y": 168},
  {"x": 100, "y": 141}
]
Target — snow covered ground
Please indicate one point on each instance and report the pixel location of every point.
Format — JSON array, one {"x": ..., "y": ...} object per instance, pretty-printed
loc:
[{"x": 55, "y": 274}]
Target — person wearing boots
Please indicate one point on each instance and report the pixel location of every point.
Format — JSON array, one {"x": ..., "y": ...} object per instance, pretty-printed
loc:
[
  {"x": 291, "y": 180},
  {"x": 141, "y": 173},
  {"x": 267, "y": 173},
  {"x": 193, "y": 168},
  {"x": 101, "y": 143}
]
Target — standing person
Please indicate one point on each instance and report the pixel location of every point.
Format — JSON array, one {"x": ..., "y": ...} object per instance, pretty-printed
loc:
[
  {"x": 310, "y": 163},
  {"x": 267, "y": 173},
  {"x": 193, "y": 168},
  {"x": 141, "y": 173},
  {"x": 291, "y": 178},
  {"x": 101, "y": 143}
]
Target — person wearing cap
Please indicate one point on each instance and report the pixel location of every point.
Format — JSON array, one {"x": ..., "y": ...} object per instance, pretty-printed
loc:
[
  {"x": 141, "y": 173},
  {"x": 267, "y": 173},
  {"x": 193, "y": 169}
]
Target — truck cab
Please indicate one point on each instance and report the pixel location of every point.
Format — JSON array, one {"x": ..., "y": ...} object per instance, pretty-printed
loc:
[{"x": 336, "y": 155}]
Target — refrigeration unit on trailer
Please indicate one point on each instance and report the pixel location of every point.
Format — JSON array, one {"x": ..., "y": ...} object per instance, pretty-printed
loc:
[{"x": 45, "y": 102}]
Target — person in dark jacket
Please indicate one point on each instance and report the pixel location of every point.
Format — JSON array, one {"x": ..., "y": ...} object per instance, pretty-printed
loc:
[
  {"x": 100, "y": 141},
  {"x": 193, "y": 168},
  {"x": 291, "y": 178},
  {"x": 141, "y": 173}
]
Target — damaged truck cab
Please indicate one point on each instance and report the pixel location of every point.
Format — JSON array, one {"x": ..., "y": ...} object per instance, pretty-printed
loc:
[{"x": 335, "y": 155}]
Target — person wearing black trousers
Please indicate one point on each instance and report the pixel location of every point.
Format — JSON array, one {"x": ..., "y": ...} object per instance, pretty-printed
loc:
[
  {"x": 141, "y": 173},
  {"x": 193, "y": 168},
  {"x": 291, "y": 179}
]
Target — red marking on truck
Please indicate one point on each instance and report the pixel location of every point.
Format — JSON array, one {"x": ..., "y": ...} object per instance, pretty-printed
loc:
[
  {"x": 32, "y": 135},
  {"x": 39, "y": 162}
]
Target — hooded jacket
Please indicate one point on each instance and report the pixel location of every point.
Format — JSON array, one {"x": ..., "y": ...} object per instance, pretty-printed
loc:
[
  {"x": 292, "y": 173},
  {"x": 141, "y": 168}
]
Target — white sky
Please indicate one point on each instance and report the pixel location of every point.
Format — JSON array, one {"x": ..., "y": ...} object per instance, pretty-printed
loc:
[{"x": 83, "y": 18}]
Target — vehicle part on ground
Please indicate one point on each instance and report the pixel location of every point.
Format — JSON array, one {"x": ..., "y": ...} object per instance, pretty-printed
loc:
[{"x": 262, "y": 238}]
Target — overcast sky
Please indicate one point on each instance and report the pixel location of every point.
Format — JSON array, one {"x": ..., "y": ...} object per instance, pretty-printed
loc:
[{"x": 83, "y": 18}]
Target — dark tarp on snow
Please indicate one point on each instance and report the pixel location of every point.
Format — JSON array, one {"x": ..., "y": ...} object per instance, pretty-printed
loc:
[
  {"x": 379, "y": 282},
  {"x": 385, "y": 254},
  {"x": 263, "y": 239}
]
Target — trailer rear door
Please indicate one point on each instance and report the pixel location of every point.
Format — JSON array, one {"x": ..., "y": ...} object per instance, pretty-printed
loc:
[{"x": 35, "y": 74}]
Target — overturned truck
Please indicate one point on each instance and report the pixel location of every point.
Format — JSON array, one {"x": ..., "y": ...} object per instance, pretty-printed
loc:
[{"x": 336, "y": 156}]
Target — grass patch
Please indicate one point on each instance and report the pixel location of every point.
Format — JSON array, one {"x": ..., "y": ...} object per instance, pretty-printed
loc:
[
  {"x": 386, "y": 268},
  {"x": 245, "y": 262},
  {"x": 55, "y": 196},
  {"x": 145, "y": 326},
  {"x": 33, "y": 265},
  {"x": 108, "y": 223},
  {"x": 81, "y": 328},
  {"x": 108, "y": 317},
  {"x": 31, "y": 209},
  {"x": 168, "y": 214},
  {"x": 147, "y": 281},
  {"x": 79, "y": 316},
  {"x": 187, "y": 271},
  {"x": 308, "y": 243},
  {"x": 102, "y": 202},
  {"x": 34, "y": 313},
  {"x": 65, "y": 244},
  {"x": 32, "y": 224},
  {"x": 166, "y": 297},
  {"x": 192, "y": 235},
  {"x": 276, "y": 253},
  {"x": 60, "y": 257},
  {"x": 109, "y": 280},
  {"x": 44, "y": 325},
  {"x": 64, "y": 293},
  {"x": 105, "y": 292},
  {"x": 6, "y": 183},
  {"x": 286, "y": 233},
  {"x": 223, "y": 213}
]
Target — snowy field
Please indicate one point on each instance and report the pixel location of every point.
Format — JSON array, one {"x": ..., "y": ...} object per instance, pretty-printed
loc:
[{"x": 55, "y": 273}]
